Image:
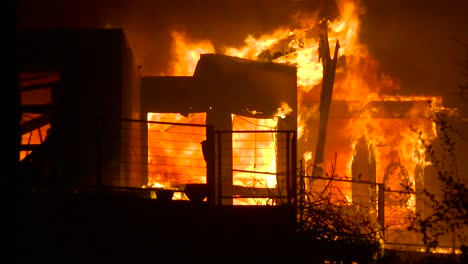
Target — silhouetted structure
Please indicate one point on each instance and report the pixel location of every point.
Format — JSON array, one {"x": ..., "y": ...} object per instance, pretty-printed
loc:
[{"x": 89, "y": 83}]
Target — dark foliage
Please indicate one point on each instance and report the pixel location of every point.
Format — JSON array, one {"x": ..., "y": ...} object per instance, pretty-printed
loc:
[
  {"x": 449, "y": 207},
  {"x": 335, "y": 229}
]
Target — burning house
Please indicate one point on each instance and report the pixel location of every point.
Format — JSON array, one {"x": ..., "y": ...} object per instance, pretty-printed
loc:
[
  {"x": 91, "y": 124},
  {"x": 230, "y": 94},
  {"x": 231, "y": 132},
  {"x": 240, "y": 108}
]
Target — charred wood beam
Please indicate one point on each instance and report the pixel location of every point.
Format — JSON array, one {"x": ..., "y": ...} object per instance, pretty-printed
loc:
[
  {"x": 30, "y": 147},
  {"x": 34, "y": 124},
  {"x": 38, "y": 86},
  {"x": 252, "y": 192},
  {"x": 37, "y": 109},
  {"x": 329, "y": 67},
  {"x": 39, "y": 77}
]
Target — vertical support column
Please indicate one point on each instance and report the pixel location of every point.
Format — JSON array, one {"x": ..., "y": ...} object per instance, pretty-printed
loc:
[
  {"x": 288, "y": 168},
  {"x": 210, "y": 166},
  {"x": 99, "y": 180},
  {"x": 293, "y": 172},
  {"x": 282, "y": 163},
  {"x": 381, "y": 207},
  {"x": 219, "y": 171},
  {"x": 363, "y": 170},
  {"x": 226, "y": 177},
  {"x": 221, "y": 120}
]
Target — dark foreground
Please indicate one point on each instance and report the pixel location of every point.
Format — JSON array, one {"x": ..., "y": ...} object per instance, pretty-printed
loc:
[
  {"x": 90, "y": 228},
  {"x": 86, "y": 228}
]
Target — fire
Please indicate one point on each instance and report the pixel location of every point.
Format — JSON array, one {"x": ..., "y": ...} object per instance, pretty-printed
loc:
[
  {"x": 307, "y": 156},
  {"x": 187, "y": 53},
  {"x": 254, "y": 153},
  {"x": 175, "y": 155},
  {"x": 42, "y": 96},
  {"x": 359, "y": 86},
  {"x": 254, "y": 46},
  {"x": 283, "y": 110}
]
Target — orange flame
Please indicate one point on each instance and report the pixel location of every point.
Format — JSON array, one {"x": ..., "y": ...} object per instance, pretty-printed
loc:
[
  {"x": 187, "y": 53},
  {"x": 358, "y": 83}
]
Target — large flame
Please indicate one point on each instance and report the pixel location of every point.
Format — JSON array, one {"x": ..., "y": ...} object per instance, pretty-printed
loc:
[
  {"x": 358, "y": 83},
  {"x": 359, "y": 86},
  {"x": 187, "y": 53},
  {"x": 254, "y": 153},
  {"x": 175, "y": 155}
]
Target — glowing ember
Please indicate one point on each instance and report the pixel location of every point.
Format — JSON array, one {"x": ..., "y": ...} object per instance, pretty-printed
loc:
[
  {"x": 187, "y": 53},
  {"x": 283, "y": 110}
]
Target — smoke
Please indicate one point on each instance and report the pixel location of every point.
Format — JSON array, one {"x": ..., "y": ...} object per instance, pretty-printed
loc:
[
  {"x": 148, "y": 24},
  {"x": 417, "y": 42},
  {"x": 414, "y": 41}
]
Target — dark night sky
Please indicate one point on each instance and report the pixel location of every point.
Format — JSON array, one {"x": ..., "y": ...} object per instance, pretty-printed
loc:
[{"x": 416, "y": 42}]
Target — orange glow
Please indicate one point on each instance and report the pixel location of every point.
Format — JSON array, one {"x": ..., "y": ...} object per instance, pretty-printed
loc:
[
  {"x": 34, "y": 137},
  {"x": 254, "y": 46},
  {"x": 369, "y": 110},
  {"x": 35, "y": 96},
  {"x": 187, "y": 53},
  {"x": 175, "y": 155},
  {"x": 359, "y": 83},
  {"x": 253, "y": 153},
  {"x": 283, "y": 110}
]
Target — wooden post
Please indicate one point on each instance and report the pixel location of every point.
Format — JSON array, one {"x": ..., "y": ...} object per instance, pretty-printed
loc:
[
  {"x": 210, "y": 165},
  {"x": 381, "y": 207},
  {"x": 329, "y": 67}
]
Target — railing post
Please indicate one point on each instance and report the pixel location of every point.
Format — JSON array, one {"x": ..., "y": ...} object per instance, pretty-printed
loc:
[
  {"x": 288, "y": 170},
  {"x": 220, "y": 170},
  {"x": 99, "y": 169},
  {"x": 210, "y": 165},
  {"x": 381, "y": 207},
  {"x": 293, "y": 172}
]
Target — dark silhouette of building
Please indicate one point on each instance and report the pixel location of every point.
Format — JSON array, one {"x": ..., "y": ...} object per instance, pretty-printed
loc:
[{"x": 89, "y": 83}]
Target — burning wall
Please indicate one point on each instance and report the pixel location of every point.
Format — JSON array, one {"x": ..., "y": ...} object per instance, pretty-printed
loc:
[{"x": 232, "y": 94}]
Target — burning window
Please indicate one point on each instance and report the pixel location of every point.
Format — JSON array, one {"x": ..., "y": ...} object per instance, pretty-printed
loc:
[
  {"x": 254, "y": 156},
  {"x": 36, "y": 100},
  {"x": 175, "y": 156}
]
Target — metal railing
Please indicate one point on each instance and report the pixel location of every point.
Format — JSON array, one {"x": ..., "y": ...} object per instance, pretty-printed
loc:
[
  {"x": 255, "y": 167},
  {"x": 251, "y": 166}
]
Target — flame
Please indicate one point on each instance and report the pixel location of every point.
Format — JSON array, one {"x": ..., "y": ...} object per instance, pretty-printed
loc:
[
  {"x": 254, "y": 153},
  {"x": 360, "y": 86},
  {"x": 307, "y": 156},
  {"x": 187, "y": 53},
  {"x": 254, "y": 46},
  {"x": 175, "y": 155},
  {"x": 42, "y": 96},
  {"x": 283, "y": 110}
]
